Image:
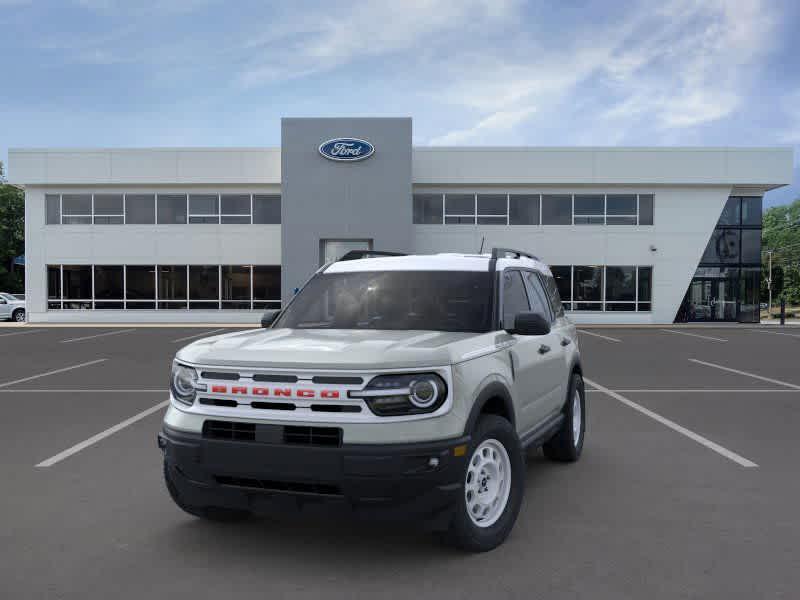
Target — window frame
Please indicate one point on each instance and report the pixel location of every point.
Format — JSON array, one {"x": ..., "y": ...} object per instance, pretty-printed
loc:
[{"x": 570, "y": 303}]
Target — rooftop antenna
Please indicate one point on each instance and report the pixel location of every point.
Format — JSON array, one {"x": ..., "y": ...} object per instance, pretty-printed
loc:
[{"x": 483, "y": 239}]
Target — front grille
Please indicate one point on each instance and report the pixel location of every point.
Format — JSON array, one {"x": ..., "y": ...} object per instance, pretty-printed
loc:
[
  {"x": 337, "y": 380},
  {"x": 293, "y": 487},
  {"x": 229, "y": 430},
  {"x": 312, "y": 436},
  {"x": 275, "y": 378},
  {"x": 273, "y": 405},
  {"x": 219, "y": 402},
  {"x": 220, "y": 375}
]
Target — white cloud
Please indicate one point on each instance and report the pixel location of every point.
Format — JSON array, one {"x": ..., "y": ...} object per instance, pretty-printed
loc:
[{"x": 496, "y": 122}]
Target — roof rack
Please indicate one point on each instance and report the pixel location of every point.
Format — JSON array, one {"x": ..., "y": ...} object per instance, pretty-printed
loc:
[
  {"x": 358, "y": 254},
  {"x": 503, "y": 252}
]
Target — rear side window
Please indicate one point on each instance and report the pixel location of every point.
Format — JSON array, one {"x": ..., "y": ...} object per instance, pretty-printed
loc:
[
  {"x": 552, "y": 292},
  {"x": 515, "y": 299},
  {"x": 539, "y": 301}
]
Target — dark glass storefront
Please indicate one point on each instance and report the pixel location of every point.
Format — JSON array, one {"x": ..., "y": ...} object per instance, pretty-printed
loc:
[{"x": 725, "y": 286}]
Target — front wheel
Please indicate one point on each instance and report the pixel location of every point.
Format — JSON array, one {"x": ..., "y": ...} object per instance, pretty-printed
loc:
[
  {"x": 493, "y": 487},
  {"x": 567, "y": 444},
  {"x": 19, "y": 315}
]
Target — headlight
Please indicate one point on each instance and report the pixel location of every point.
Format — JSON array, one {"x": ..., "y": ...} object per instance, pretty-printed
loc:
[
  {"x": 406, "y": 394},
  {"x": 183, "y": 383}
]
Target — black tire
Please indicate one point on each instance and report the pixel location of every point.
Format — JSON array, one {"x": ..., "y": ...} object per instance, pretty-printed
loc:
[
  {"x": 211, "y": 513},
  {"x": 563, "y": 446},
  {"x": 18, "y": 315},
  {"x": 463, "y": 532}
]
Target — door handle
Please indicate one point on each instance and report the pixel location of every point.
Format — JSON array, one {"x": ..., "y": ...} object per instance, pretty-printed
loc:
[
  {"x": 544, "y": 349},
  {"x": 566, "y": 341}
]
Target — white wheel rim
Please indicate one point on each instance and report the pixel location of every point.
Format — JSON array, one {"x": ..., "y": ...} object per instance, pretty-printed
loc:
[
  {"x": 576, "y": 417},
  {"x": 488, "y": 483}
]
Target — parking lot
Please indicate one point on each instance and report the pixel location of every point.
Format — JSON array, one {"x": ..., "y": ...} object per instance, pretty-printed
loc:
[{"x": 687, "y": 487}]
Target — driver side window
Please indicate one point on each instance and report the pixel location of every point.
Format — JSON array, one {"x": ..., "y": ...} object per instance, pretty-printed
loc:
[{"x": 515, "y": 298}]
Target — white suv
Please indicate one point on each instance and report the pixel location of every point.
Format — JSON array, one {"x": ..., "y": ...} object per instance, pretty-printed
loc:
[
  {"x": 393, "y": 386},
  {"x": 12, "y": 308}
]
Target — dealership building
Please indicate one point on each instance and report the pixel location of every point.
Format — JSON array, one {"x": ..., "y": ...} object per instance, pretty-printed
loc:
[{"x": 633, "y": 235}]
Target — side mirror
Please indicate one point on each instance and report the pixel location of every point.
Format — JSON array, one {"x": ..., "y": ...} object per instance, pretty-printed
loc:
[
  {"x": 530, "y": 323},
  {"x": 268, "y": 318}
]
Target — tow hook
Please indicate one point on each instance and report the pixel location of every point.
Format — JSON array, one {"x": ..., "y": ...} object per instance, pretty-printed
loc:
[{"x": 162, "y": 443}]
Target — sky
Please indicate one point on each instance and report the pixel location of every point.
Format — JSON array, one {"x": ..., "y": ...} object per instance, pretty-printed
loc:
[{"x": 107, "y": 73}]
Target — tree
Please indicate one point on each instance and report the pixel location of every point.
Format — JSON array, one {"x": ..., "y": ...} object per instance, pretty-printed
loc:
[
  {"x": 781, "y": 235},
  {"x": 12, "y": 235}
]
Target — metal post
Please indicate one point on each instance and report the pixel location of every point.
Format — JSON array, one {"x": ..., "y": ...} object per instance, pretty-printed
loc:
[
  {"x": 769, "y": 286},
  {"x": 783, "y": 310}
]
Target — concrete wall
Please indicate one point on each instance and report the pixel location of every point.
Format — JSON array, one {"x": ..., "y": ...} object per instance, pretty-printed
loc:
[{"x": 325, "y": 199}]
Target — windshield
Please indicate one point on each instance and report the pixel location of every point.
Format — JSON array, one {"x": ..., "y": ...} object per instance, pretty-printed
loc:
[
  {"x": 429, "y": 300},
  {"x": 8, "y": 297}
]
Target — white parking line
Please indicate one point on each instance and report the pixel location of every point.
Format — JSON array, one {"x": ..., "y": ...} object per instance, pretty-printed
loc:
[
  {"x": 701, "y": 391},
  {"x": 24, "y": 379},
  {"x": 740, "y": 460},
  {"x": 746, "y": 374},
  {"x": 605, "y": 337},
  {"x": 100, "y": 436},
  {"x": 697, "y": 335},
  {"x": 191, "y": 337},
  {"x": 22, "y": 332},
  {"x": 165, "y": 391},
  {"x": 795, "y": 335},
  {"x": 91, "y": 337}
]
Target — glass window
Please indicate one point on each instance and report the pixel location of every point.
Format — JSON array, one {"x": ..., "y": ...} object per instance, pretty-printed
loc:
[
  {"x": 537, "y": 297},
  {"x": 140, "y": 282},
  {"x": 621, "y": 284},
  {"x": 751, "y": 211},
  {"x": 203, "y": 286},
  {"x": 267, "y": 209},
  {"x": 53, "y": 209},
  {"x": 723, "y": 247},
  {"x": 557, "y": 209},
  {"x": 266, "y": 286},
  {"x": 172, "y": 286},
  {"x": 459, "y": 209},
  {"x": 563, "y": 280},
  {"x": 77, "y": 283},
  {"x": 428, "y": 209},
  {"x": 203, "y": 208},
  {"x": 515, "y": 299},
  {"x": 140, "y": 209},
  {"x": 589, "y": 209},
  {"x": 53, "y": 282},
  {"x": 76, "y": 209},
  {"x": 621, "y": 204},
  {"x": 646, "y": 209},
  {"x": 395, "y": 300},
  {"x": 171, "y": 209},
  {"x": 492, "y": 209},
  {"x": 749, "y": 294},
  {"x": 588, "y": 288},
  {"x": 751, "y": 245},
  {"x": 236, "y": 287},
  {"x": 523, "y": 209},
  {"x": 108, "y": 282},
  {"x": 235, "y": 208},
  {"x": 731, "y": 212},
  {"x": 645, "y": 286},
  {"x": 556, "y": 305},
  {"x": 108, "y": 209}
]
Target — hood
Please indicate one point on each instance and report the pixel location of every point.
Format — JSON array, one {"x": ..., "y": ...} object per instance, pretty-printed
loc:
[{"x": 325, "y": 349}]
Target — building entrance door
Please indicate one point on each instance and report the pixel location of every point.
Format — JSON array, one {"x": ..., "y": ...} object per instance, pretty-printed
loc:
[{"x": 711, "y": 300}]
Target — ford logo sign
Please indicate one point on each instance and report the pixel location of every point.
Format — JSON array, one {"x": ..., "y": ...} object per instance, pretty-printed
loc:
[{"x": 346, "y": 149}]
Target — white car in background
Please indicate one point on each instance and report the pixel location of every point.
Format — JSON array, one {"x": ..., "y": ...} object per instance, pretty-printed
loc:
[{"x": 12, "y": 308}]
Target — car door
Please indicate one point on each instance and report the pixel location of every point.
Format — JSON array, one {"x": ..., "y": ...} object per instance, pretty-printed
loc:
[
  {"x": 530, "y": 356},
  {"x": 562, "y": 335}
]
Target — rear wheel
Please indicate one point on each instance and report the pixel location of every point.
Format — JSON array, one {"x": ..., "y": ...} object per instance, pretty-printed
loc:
[
  {"x": 19, "y": 315},
  {"x": 211, "y": 513},
  {"x": 493, "y": 487},
  {"x": 567, "y": 444}
]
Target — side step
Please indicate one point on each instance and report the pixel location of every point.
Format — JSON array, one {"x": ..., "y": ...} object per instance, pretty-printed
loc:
[{"x": 542, "y": 432}]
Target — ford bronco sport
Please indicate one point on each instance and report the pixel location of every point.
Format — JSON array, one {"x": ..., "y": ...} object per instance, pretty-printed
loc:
[{"x": 391, "y": 385}]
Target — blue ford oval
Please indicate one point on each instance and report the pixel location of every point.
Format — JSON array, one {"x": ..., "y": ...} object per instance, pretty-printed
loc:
[{"x": 346, "y": 149}]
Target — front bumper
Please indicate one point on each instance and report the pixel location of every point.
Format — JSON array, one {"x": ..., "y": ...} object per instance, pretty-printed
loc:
[{"x": 394, "y": 481}]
